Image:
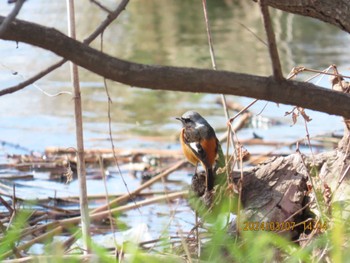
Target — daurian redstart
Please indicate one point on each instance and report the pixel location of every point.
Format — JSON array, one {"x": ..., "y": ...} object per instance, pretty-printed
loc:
[{"x": 199, "y": 143}]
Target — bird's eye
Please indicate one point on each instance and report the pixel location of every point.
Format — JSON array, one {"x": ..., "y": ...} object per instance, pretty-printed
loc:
[{"x": 187, "y": 120}]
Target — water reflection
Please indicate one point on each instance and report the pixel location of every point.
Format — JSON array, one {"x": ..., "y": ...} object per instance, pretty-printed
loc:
[{"x": 155, "y": 32}]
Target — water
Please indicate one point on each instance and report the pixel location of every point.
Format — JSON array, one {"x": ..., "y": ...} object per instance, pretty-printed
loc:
[
  {"x": 167, "y": 33},
  {"x": 155, "y": 32}
]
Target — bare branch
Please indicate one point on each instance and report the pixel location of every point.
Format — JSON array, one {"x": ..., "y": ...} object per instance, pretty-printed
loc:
[
  {"x": 212, "y": 53},
  {"x": 11, "y": 16},
  {"x": 275, "y": 61},
  {"x": 335, "y": 12},
  {"x": 101, "y": 6},
  {"x": 31, "y": 80},
  {"x": 110, "y": 18},
  {"x": 305, "y": 95}
]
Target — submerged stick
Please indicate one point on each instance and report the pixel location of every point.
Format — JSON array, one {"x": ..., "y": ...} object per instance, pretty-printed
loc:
[
  {"x": 59, "y": 226},
  {"x": 125, "y": 197},
  {"x": 103, "y": 214},
  {"x": 62, "y": 150}
]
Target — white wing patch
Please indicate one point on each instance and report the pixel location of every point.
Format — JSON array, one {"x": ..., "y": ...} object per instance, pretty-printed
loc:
[
  {"x": 193, "y": 145},
  {"x": 199, "y": 125}
]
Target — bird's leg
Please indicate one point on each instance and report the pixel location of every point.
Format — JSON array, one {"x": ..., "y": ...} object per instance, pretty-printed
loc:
[{"x": 195, "y": 169}]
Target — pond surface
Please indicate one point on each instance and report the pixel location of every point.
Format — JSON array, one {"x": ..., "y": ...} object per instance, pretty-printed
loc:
[{"x": 167, "y": 32}]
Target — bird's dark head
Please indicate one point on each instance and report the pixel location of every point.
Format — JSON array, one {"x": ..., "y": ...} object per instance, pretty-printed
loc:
[{"x": 192, "y": 119}]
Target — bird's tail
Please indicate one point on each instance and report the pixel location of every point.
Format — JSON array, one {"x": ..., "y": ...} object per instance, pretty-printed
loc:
[{"x": 210, "y": 179}]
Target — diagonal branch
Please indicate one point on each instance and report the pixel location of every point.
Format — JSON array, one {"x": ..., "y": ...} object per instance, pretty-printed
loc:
[
  {"x": 110, "y": 18},
  {"x": 104, "y": 8},
  {"x": 31, "y": 80},
  {"x": 11, "y": 16},
  {"x": 275, "y": 61},
  {"x": 305, "y": 95}
]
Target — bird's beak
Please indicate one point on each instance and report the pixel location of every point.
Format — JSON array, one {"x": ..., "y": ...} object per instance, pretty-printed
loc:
[{"x": 180, "y": 119}]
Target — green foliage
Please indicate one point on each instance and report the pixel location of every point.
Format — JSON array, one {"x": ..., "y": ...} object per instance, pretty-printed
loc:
[
  {"x": 11, "y": 235},
  {"x": 219, "y": 246}
]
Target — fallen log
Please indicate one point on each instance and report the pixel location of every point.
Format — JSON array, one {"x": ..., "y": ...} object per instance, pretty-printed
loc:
[
  {"x": 288, "y": 189},
  {"x": 285, "y": 194}
]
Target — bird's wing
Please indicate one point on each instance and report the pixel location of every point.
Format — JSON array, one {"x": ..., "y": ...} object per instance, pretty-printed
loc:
[{"x": 198, "y": 150}]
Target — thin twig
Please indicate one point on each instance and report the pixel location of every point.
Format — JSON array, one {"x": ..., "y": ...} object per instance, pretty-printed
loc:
[
  {"x": 109, "y": 103},
  {"x": 115, "y": 158},
  {"x": 310, "y": 179},
  {"x": 107, "y": 200},
  {"x": 212, "y": 53},
  {"x": 240, "y": 188},
  {"x": 242, "y": 110},
  {"x": 101, "y": 6},
  {"x": 33, "y": 79},
  {"x": 296, "y": 70},
  {"x": 4, "y": 25},
  {"x": 147, "y": 184},
  {"x": 165, "y": 232},
  {"x": 58, "y": 226},
  {"x": 292, "y": 215},
  {"x": 308, "y": 140},
  {"x": 127, "y": 207},
  {"x": 252, "y": 32},
  {"x": 4, "y": 203},
  {"x": 110, "y": 18},
  {"x": 276, "y": 64}
]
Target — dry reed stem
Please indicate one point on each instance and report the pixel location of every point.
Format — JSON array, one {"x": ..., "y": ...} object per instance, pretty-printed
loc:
[
  {"x": 58, "y": 226},
  {"x": 97, "y": 214},
  {"x": 124, "y": 152},
  {"x": 125, "y": 197},
  {"x": 93, "y": 258},
  {"x": 81, "y": 171}
]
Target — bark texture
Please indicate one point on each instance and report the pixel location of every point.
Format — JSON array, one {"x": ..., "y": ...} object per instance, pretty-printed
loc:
[
  {"x": 335, "y": 12},
  {"x": 279, "y": 189}
]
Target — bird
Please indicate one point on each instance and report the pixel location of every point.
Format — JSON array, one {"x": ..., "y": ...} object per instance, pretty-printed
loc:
[{"x": 199, "y": 143}]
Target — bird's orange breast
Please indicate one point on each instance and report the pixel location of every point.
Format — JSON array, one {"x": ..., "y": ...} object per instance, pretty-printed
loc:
[
  {"x": 189, "y": 154},
  {"x": 210, "y": 147}
]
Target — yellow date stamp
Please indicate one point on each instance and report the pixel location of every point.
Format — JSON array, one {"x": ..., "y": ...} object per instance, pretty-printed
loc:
[
  {"x": 315, "y": 225},
  {"x": 268, "y": 226}
]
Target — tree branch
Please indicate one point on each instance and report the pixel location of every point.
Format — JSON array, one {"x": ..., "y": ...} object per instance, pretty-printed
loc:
[
  {"x": 11, "y": 16},
  {"x": 275, "y": 60},
  {"x": 31, "y": 80},
  {"x": 335, "y": 12},
  {"x": 110, "y": 18},
  {"x": 301, "y": 94}
]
